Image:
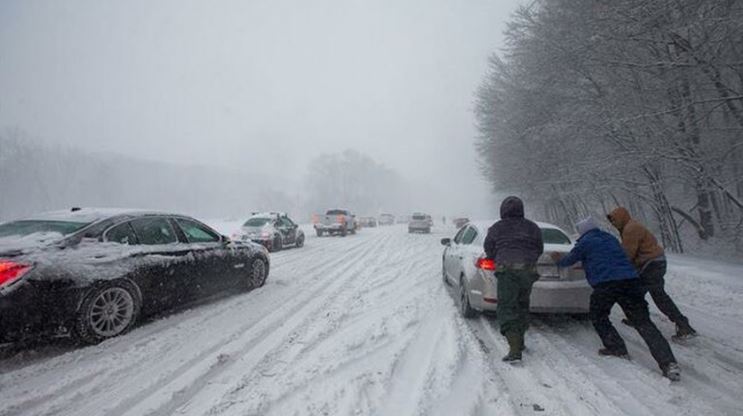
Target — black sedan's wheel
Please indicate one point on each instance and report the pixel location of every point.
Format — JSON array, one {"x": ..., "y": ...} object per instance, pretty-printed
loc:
[
  {"x": 300, "y": 241},
  {"x": 107, "y": 311},
  {"x": 319, "y": 233},
  {"x": 464, "y": 302},
  {"x": 258, "y": 273}
]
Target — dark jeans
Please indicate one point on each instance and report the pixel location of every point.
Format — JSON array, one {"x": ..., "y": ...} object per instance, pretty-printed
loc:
[
  {"x": 514, "y": 290},
  {"x": 652, "y": 281},
  {"x": 630, "y": 296}
]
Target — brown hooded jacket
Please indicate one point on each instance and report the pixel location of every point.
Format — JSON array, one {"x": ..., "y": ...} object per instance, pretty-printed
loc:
[{"x": 639, "y": 243}]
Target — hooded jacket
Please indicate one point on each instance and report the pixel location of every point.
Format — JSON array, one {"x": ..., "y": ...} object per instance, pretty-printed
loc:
[
  {"x": 514, "y": 239},
  {"x": 639, "y": 243},
  {"x": 601, "y": 255}
]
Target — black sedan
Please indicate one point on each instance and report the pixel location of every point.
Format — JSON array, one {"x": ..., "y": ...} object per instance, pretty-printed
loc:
[{"x": 92, "y": 273}]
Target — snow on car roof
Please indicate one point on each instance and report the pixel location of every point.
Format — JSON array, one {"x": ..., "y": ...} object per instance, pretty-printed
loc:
[
  {"x": 266, "y": 214},
  {"x": 88, "y": 214}
]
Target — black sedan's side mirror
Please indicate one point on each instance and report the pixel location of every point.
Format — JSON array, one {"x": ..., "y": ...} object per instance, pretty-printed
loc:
[
  {"x": 224, "y": 239},
  {"x": 446, "y": 241}
]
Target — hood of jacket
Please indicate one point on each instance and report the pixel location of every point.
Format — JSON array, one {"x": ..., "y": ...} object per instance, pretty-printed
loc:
[
  {"x": 512, "y": 207},
  {"x": 619, "y": 217},
  {"x": 586, "y": 225}
]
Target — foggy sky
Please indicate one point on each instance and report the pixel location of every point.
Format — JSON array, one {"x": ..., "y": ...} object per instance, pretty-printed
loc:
[{"x": 260, "y": 85}]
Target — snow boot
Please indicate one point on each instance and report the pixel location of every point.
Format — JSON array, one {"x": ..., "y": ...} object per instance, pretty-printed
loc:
[
  {"x": 684, "y": 332},
  {"x": 606, "y": 352},
  {"x": 671, "y": 371},
  {"x": 515, "y": 345}
]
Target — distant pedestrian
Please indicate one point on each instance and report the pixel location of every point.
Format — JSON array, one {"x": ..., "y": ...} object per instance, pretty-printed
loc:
[
  {"x": 515, "y": 243},
  {"x": 614, "y": 280},
  {"x": 649, "y": 259}
]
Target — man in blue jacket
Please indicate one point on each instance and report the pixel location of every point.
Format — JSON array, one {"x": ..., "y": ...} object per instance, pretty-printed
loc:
[{"x": 614, "y": 280}]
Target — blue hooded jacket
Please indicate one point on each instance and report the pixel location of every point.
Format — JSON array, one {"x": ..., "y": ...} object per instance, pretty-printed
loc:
[{"x": 602, "y": 256}]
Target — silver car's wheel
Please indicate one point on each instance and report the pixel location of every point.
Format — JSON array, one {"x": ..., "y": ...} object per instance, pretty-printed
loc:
[
  {"x": 443, "y": 276},
  {"x": 111, "y": 312},
  {"x": 464, "y": 302},
  {"x": 258, "y": 273}
]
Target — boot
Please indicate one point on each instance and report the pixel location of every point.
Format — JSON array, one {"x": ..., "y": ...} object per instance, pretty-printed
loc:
[
  {"x": 684, "y": 332},
  {"x": 606, "y": 352},
  {"x": 671, "y": 371},
  {"x": 515, "y": 343}
]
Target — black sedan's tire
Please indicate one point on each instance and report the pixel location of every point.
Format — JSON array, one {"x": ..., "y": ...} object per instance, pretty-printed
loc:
[
  {"x": 319, "y": 233},
  {"x": 258, "y": 273},
  {"x": 300, "y": 241},
  {"x": 107, "y": 310}
]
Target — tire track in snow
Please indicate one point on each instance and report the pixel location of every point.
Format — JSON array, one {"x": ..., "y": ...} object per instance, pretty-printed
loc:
[
  {"x": 352, "y": 357},
  {"x": 183, "y": 391}
]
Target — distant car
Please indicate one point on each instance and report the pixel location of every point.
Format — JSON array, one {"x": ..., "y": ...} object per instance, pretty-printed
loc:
[
  {"x": 473, "y": 276},
  {"x": 386, "y": 219},
  {"x": 335, "y": 221},
  {"x": 273, "y": 230},
  {"x": 460, "y": 222},
  {"x": 94, "y": 273},
  {"x": 420, "y": 223},
  {"x": 368, "y": 222}
]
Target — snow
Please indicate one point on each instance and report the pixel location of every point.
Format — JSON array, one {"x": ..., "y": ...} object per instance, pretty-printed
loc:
[{"x": 363, "y": 325}]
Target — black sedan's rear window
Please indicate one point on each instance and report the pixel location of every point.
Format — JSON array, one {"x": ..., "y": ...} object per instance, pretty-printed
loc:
[
  {"x": 27, "y": 227},
  {"x": 419, "y": 217}
]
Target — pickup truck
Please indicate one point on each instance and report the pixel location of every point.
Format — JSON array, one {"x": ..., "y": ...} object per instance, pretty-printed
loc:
[{"x": 335, "y": 221}]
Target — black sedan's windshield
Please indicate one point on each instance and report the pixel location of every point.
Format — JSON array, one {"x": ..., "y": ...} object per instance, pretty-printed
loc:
[{"x": 26, "y": 227}]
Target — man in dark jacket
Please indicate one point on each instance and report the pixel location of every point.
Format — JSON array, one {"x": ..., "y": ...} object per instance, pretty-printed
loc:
[
  {"x": 515, "y": 244},
  {"x": 649, "y": 259},
  {"x": 614, "y": 280}
]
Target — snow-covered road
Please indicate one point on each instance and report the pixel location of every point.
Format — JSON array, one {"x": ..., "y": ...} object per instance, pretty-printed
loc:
[{"x": 363, "y": 325}]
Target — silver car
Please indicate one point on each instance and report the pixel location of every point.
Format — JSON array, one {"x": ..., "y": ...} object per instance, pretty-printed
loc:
[
  {"x": 420, "y": 223},
  {"x": 466, "y": 269}
]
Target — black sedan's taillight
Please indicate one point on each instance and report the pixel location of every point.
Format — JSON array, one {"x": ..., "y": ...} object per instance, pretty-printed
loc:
[{"x": 11, "y": 271}]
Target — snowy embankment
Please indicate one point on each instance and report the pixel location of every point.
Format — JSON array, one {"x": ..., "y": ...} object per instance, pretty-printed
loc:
[{"x": 364, "y": 325}]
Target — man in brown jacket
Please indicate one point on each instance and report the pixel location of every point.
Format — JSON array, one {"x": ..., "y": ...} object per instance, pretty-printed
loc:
[{"x": 649, "y": 259}]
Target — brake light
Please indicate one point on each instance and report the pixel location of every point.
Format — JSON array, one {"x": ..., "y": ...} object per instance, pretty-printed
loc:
[
  {"x": 341, "y": 219},
  {"x": 11, "y": 272},
  {"x": 485, "y": 264}
]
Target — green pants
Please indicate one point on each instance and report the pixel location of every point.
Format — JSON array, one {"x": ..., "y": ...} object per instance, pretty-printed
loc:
[{"x": 514, "y": 290}]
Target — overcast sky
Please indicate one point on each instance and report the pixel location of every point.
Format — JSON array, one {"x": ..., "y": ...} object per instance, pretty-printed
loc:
[{"x": 265, "y": 85}]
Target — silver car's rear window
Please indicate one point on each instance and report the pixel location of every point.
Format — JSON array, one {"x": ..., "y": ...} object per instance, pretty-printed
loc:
[
  {"x": 554, "y": 236},
  {"x": 27, "y": 227},
  {"x": 257, "y": 222}
]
